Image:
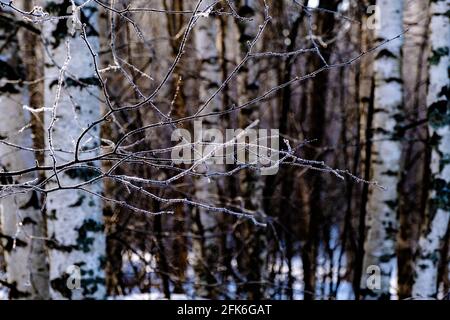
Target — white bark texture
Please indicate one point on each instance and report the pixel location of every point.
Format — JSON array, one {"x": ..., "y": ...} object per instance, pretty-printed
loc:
[
  {"x": 438, "y": 209},
  {"x": 22, "y": 225},
  {"x": 206, "y": 247},
  {"x": 77, "y": 245},
  {"x": 386, "y": 151}
]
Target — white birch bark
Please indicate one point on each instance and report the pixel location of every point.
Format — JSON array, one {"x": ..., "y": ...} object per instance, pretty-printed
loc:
[
  {"x": 386, "y": 152},
  {"x": 438, "y": 208},
  {"x": 22, "y": 223},
  {"x": 77, "y": 245},
  {"x": 206, "y": 248}
]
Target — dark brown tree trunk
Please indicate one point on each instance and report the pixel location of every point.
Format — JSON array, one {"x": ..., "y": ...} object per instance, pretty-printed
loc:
[{"x": 325, "y": 26}]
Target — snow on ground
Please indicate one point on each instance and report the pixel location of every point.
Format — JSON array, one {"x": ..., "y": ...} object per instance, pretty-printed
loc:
[
  {"x": 146, "y": 261},
  {"x": 3, "y": 293},
  {"x": 149, "y": 296},
  {"x": 326, "y": 272}
]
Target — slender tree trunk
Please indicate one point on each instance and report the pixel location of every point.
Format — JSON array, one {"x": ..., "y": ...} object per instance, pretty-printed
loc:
[
  {"x": 411, "y": 207},
  {"x": 444, "y": 263},
  {"x": 207, "y": 244},
  {"x": 317, "y": 113},
  {"x": 252, "y": 260},
  {"x": 228, "y": 188},
  {"x": 74, "y": 218},
  {"x": 284, "y": 205},
  {"x": 438, "y": 208},
  {"x": 113, "y": 221},
  {"x": 178, "y": 110},
  {"x": 162, "y": 257},
  {"x": 365, "y": 109},
  {"x": 22, "y": 222},
  {"x": 386, "y": 153}
]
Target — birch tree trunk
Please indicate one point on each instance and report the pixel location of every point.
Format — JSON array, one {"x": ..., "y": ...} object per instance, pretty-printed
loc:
[
  {"x": 365, "y": 110},
  {"x": 411, "y": 197},
  {"x": 253, "y": 258},
  {"x": 74, "y": 218},
  {"x": 206, "y": 246},
  {"x": 386, "y": 154},
  {"x": 438, "y": 208},
  {"x": 22, "y": 223}
]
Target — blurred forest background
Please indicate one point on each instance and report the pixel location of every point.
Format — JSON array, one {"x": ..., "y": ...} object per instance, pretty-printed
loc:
[{"x": 93, "y": 206}]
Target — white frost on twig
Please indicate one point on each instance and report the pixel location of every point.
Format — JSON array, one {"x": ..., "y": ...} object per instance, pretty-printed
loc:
[{"x": 204, "y": 14}]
